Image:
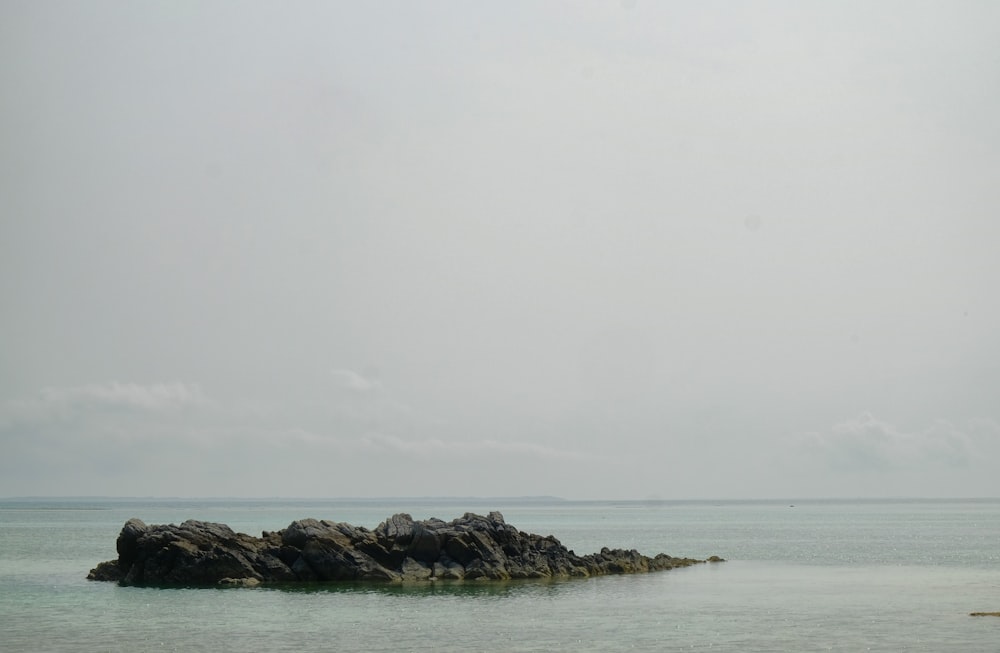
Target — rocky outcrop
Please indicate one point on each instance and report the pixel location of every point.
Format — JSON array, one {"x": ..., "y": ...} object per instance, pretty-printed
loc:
[{"x": 399, "y": 549}]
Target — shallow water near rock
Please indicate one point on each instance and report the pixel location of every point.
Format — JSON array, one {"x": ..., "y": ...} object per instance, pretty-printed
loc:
[{"x": 824, "y": 575}]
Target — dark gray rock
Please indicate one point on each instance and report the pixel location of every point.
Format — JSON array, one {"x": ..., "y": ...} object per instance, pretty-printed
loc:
[
  {"x": 415, "y": 570},
  {"x": 398, "y": 550}
]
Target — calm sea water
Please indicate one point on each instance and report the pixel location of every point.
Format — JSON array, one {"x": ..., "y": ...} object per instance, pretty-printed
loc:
[{"x": 813, "y": 576}]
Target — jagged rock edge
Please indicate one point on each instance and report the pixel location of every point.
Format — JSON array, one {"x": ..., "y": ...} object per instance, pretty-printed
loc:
[{"x": 471, "y": 547}]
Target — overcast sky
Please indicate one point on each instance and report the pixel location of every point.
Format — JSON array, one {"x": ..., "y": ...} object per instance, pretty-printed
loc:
[{"x": 622, "y": 249}]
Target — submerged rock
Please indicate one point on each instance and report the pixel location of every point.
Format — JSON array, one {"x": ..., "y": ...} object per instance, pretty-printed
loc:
[{"x": 399, "y": 549}]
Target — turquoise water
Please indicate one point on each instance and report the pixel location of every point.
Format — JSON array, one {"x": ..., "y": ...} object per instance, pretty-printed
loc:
[{"x": 819, "y": 576}]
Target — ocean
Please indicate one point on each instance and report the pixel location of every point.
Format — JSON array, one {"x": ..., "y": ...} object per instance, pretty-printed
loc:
[{"x": 801, "y": 575}]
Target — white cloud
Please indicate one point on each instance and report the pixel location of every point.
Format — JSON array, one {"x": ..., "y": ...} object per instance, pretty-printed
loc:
[
  {"x": 353, "y": 381},
  {"x": 72, "y": 402},
  {"x": 159, "y": 396},
  {"x": 866, "y": 443},
  {"x": 436, "y": 448}
]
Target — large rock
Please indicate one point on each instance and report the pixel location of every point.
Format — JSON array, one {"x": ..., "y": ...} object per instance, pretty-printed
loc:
[{"x": 399, "y": 549}]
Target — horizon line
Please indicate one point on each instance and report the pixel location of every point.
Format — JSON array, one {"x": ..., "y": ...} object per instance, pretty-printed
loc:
[{"x": 523, "y": 498}]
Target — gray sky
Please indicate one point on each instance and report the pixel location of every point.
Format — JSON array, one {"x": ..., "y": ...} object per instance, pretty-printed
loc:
[{"x": 588, "y": 249}]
